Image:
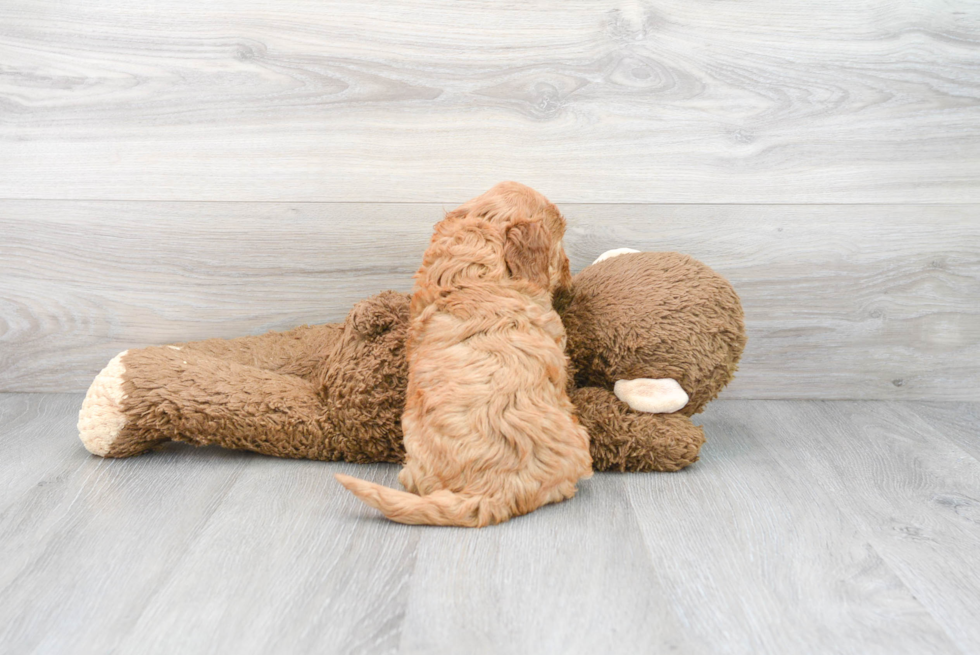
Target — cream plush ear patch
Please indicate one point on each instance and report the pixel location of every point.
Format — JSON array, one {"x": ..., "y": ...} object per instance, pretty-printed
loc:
[
  {"x": 609, "y": 254},
  {"x": 662, "y": 396}
]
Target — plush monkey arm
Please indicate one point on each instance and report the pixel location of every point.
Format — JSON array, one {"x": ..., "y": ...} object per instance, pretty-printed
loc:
[{"x": 622, "y": 439}]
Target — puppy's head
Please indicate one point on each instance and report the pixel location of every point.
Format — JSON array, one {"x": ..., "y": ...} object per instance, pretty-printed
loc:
[
  {"x": 466, "y": 250},
  {"x": 517, "y": 209}
]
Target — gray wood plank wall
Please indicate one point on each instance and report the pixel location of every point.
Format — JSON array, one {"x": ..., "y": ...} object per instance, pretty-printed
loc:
[
  {"x": 824, "y": 156},
  {"x": 623, "y": 101},
  {"x": 841, "y": 301}
]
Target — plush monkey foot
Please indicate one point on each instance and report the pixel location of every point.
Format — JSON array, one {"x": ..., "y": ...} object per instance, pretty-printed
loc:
[
  {"x": 102, "y": 419},
  {"x": 662, "y": 396}
]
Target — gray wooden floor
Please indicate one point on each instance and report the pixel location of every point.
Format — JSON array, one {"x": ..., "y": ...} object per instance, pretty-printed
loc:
[{"x": 808, "y": 526}]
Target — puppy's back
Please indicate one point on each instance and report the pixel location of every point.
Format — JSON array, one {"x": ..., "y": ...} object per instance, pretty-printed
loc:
[
  {"x": 488, "y": 422},
  {"x": 489, "y": 430}
]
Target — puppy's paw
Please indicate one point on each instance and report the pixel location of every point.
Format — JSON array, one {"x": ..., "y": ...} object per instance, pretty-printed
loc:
[
  {"x": 102, "y": 419},
  {"x": 661, "y": 396}
]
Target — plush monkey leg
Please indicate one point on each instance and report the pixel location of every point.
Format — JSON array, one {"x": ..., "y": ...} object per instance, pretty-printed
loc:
[
  {"x": 320, "y": 392},
  {"x": 148, "y": 396},
  {"x": 300, "y": 351},
  {"x": 107, "y": 408},
  {"x": 622, "y": 439}
]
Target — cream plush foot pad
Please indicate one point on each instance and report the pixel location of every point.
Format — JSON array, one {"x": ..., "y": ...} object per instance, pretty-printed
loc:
[
  {"x": 101, "y": 419},
  {"x": 661, "y": 396}
]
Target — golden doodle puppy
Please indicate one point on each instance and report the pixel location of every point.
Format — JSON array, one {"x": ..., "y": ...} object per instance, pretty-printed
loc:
[{"x": 489, "y": 430}]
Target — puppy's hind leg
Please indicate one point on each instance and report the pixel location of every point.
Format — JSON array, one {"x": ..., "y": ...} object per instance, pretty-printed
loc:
[{"x": 407, "y": 480}]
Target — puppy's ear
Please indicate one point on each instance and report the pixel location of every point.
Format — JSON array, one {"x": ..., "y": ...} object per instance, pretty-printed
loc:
[{"x": 526, "y": 252}]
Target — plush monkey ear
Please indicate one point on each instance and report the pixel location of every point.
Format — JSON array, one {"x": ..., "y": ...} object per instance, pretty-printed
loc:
[
  {"x": 526, "y": 252},
  {"x": 656, "y": 396}
]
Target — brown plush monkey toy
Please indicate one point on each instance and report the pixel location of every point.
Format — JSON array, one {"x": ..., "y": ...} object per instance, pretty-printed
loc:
[{"x": 652, "y": 337}]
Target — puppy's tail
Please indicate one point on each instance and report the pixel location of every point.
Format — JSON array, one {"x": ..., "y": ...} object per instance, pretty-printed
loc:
[{"x": 440, "y": 508}]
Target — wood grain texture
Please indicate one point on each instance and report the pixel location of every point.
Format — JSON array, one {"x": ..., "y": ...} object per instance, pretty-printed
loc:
[
  {"x": 865, "y": 301},
  {"x": 807, "y": 527},
  {"x": 187, "y": 551},
  {"x": 577, "y": 580},
  {"x": 284, "y": 565},
  {"x": 912, "y": 491},
  {"x": 625, "y": 101},
  {"x": 28, "y": 451},
  {"x": 759, "y": 555},
  {"x": 961, "y": 427}
]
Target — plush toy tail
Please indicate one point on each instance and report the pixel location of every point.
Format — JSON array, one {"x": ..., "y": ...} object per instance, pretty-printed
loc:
[{"x": 440, "y": 508}]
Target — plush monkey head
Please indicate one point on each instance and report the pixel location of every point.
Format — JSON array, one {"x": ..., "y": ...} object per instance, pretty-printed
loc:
[{"x": 647, "y": 317}]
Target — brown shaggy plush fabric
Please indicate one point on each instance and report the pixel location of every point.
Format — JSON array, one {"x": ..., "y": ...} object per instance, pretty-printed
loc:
[
  {"x": 326, "y": 392},
  {"x": 624, "y": 440},
  {"x": 337, "y": 391}
]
